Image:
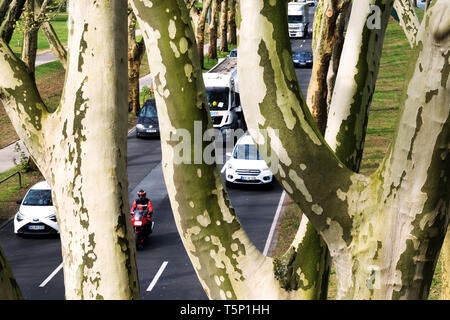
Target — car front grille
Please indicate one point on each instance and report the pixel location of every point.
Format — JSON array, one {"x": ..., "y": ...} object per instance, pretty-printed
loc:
[
  {"x": 47, "y": 230},
  {"x": 248, "y": 172},
  {"x": 217, "y": 120}
]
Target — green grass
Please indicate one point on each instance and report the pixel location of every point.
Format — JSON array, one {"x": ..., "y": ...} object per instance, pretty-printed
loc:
[
  {"x": 209, "y": 63},
  {"x": 59, "y": 23},
  {"x": 10, "y": 190},
  {"x": 286, "y": 230}
]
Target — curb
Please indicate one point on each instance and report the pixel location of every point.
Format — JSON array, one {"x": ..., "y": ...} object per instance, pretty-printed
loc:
[
  {"x": 10, "y": 144},
  {"x": 4, "y": 224}
]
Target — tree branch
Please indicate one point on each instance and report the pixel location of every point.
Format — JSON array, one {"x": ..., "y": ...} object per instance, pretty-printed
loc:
[
  {"x": 356, "y": 79},
  {"x": 4, "y": 6},
  {"x": 280, "y": 121},
  {"x": 227, "y": 263},
  {"x": 22, "y": 102},
  {"x": 10, "y": 23},
  {"x": 409, "y": 20}
]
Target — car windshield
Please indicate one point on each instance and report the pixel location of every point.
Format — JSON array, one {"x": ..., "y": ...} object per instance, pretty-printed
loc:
[
  {"x": 149, "y": 111},
  {"x": 246, "y": 152},
  {"x": 295, "y": 19},
  {"x": 302, "y": 54},
  {"x": 217, "y": 98},
  {"x": 233, "y": 54},
  {"x": 38, "y": 198}
]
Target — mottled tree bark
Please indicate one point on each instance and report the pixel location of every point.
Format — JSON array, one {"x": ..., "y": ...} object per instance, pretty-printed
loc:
[
  {"x": 223, "y": 26},
  {"x": 212, "y": 49},
  {"x": 14, "y": 14},
  {"x": 136, "y": 51},
  {"x": 30, "y": 38},
  {"x": 356, "y": 79},
  {"x": 225, "y": 260},
  {"x": 409, "y": 20},
  {"x": 384, "y": 231},
  {"x": 327, "y": 37},
  {"x": 97, "y": 247},
  {"x": 4, "y": 7}
]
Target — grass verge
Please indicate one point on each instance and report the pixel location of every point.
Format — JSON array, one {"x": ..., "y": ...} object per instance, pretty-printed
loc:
[{"x": 10, "y": 190}]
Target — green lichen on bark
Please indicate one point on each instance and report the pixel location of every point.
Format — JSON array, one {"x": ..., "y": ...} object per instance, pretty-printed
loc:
[
  {"x": 351, "y": 134},
  {"x": 303, "y": 267}
]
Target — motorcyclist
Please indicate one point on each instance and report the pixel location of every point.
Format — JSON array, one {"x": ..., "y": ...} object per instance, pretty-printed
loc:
[{"x": 142, "y": 200}]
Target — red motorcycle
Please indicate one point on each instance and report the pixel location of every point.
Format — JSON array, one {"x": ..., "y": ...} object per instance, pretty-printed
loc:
[{"x": 141, "y": 219}]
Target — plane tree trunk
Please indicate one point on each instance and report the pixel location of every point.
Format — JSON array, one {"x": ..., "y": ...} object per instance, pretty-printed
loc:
[
  {"x": 223, "y": 26},
  {"x": 384, "y": 231},
  {"x": 232, "y": 34},
  {"x": 200, "y": 31},
  {"x": 326, "y": 37},
  {"x": 227, "y": 263},
  {"x": 136, "y": 51},
  {"x": 14, "y": 13},
  {"x": 409, "y": 20},
  {"x": 214, "y": 24},
  {"x": 356, "y": 79},
  {"x": 85, "y": 163}
]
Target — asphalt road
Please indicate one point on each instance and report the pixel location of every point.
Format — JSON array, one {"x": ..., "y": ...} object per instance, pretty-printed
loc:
[{"x": 165, "y": 271}]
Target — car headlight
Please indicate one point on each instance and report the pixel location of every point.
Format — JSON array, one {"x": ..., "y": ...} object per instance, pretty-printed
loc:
[
  {"x": 230, "y": 166},
  {"x": 19, "y": 216},
  {"x": 140, "y": 126},
  {"x": 51, "y": 217}
]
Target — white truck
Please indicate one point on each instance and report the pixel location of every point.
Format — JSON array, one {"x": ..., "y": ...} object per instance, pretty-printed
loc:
[
  {"x": 298, "y": 19},
  {"x": 222, "y": 91}
]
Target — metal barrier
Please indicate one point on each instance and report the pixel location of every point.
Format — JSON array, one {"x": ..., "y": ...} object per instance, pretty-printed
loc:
[{"x": 9, "y": 177}]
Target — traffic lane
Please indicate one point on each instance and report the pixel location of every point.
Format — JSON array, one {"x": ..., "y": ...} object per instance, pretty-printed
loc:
[
  {"x": 255, "y": 206},
  {"x": 144, "y": 154},
  {"x": 303, "y": 73},
  {"x": 32, "y": 259},
  {"x": 178, "y": 280}
]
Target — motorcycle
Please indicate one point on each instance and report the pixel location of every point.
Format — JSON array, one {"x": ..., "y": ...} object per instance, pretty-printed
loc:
[{"x": 142, "y": 223}]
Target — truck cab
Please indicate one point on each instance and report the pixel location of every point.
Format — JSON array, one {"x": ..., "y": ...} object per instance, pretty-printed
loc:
[
  {"x": 298, "y": 19},
  {"x": 222, "y": 92}
]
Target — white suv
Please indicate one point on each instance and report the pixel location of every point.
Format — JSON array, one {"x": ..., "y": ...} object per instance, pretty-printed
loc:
[
  {"x": 245, "y": 165},
  {"x": 36, "y": 213}
]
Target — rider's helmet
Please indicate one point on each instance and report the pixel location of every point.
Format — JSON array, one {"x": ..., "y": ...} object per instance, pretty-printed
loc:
[{"x": 141, "y": 194}]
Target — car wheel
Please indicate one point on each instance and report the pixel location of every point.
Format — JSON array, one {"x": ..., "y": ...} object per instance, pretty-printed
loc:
[{"x": 229, "y": 184}]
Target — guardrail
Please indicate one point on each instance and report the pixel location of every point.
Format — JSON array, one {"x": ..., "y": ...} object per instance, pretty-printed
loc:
[{"x": 12, "y": 175}]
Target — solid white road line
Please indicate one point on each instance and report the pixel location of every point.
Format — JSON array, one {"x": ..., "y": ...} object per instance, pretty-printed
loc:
[
  {"x": 158, "y": 274},
  {"x": 51, "y": 276},
  {"x": 274, "y": 223},
  {"x": 131, "y": 130}
]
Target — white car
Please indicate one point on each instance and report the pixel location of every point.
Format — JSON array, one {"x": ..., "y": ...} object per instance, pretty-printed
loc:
[
  {"x": 36, "y": 212},
  {"x": 245, "y": 165}
]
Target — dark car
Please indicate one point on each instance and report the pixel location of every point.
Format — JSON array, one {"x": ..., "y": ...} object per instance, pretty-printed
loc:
[
  {"x": 302, "y": 58},
  {"x": 147, "y": 123}
]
